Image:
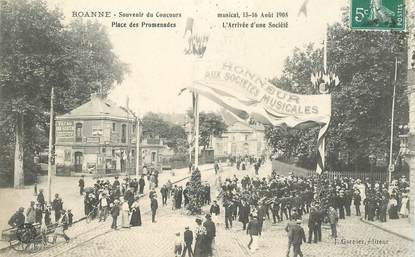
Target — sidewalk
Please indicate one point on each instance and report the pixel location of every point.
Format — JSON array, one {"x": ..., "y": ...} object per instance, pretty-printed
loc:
[
  {"x": 399, "y": 227},
  {"x": 67, "y": 188}
]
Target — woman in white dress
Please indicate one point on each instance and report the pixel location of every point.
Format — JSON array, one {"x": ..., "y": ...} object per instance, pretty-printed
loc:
[
  {"x": 404, "y": 204},
  {"x": 125, "y": 219}
]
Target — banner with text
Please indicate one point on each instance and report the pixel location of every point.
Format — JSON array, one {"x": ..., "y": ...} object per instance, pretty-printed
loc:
[{"x": 246, "y": 94}]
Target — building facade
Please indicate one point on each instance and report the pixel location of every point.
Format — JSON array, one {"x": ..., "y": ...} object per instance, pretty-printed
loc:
[
  {"x": 98, "y": 137},
  {"x": 155, "y": 153},
  {"x": 411, "y": 99},
  {"x": 240, "y": 139}
]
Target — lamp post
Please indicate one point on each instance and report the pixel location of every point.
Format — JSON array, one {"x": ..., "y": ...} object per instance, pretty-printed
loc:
[
  {"x": 36, "y": 165},
  {"x": 403, "y": 133},
  {"x": 372, "y": 161}
]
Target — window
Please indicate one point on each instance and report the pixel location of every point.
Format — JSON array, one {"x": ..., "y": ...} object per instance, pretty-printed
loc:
[
  {"x": 103, "y": 150},
  {"x": 78, "y": 132},
  {"x": 153, "y": 156},
  {"x": 113, "y": 126},
  {"x": 246, "y": 137},
  {"x": 134, "y": 126},
  {"x": 123, "y": 133},
  {"x": 67, "y": 155}
]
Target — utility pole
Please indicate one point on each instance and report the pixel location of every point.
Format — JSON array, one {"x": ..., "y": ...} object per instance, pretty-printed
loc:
[
  {"x": 137, "y": 159},
  {"x": 52, "y": 91},
  {"x": 392, "y": 123},
  {"x": 196, "y": 114}
]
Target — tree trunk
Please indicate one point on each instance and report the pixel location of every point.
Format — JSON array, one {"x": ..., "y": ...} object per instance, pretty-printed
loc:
[{"x": 18, "y": 153}]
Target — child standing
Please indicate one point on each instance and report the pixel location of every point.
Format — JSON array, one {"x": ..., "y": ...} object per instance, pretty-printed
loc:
[{"x": 177, "y": 245}]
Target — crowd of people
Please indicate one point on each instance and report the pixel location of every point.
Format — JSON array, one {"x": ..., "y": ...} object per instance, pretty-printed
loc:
[
  {"x": 39, "y": 214},
  {"x": 250, "y": 200}
]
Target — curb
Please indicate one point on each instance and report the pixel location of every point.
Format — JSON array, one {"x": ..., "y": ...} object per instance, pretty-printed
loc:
[{"x": 387, "y": 230}]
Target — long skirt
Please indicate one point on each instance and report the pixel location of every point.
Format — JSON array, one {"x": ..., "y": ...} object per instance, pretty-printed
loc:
[
  {"x": 200, "y": 248},
  {"x": 125, "y": 219},
  {"x": 404, "y": 211},
  {"x": 135, "y": 218}
]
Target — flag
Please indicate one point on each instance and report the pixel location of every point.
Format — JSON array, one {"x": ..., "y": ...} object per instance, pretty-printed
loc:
[
  {"x": 195, "y": 41},
  {"x": 247, "y": 95},
  {"x": 303, "y": 9},
  {"x": 189, "y": 26},
  {"x": 231, "y": 118}
]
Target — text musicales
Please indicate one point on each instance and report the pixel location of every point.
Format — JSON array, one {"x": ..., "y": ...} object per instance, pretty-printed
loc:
[{"x": 273, "y": 98}]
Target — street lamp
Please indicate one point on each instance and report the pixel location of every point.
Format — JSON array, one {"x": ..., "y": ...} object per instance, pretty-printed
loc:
[
  {"x": 36, "y": 165},
  {"x": 372, "y": 161},
  {"x": 403, "y": 132}
]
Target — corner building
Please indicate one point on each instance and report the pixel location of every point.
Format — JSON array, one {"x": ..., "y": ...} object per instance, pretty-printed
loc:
[{"x": 98, "y": 137}]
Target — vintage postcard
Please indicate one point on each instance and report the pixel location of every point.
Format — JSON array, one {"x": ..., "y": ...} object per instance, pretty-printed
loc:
[{"x": 207, "y": 128}]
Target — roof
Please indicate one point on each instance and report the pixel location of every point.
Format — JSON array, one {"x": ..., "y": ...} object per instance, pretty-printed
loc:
[
  {"x": 238, "y": 125},
  {"x": 98, "y": 107}
]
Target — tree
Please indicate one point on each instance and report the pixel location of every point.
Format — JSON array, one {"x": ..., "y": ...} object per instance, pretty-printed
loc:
[
  {"x": 361, "y": 105},
  {"x": 37, "y": 52},
  {"x": 196, "y": 191},
  {"x": 174, "y": 135},
  {"x": 210, "y": 125}
]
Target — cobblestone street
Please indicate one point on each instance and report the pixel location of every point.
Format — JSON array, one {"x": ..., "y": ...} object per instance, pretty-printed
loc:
[{"x": 97, "y": 239}]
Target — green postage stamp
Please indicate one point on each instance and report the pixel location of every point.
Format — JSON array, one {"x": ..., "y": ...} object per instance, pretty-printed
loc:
[{"x": 378, "y": 14}]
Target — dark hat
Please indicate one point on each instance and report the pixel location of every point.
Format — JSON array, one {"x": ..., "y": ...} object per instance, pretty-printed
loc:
[
  {"x": 208, "y": 216},
  {"x": 187, "y": 227}
]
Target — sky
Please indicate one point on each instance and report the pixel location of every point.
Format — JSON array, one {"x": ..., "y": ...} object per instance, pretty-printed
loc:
[{"x": 158, "y": 66}]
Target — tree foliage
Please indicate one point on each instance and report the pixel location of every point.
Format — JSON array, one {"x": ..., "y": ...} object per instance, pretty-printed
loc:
[
  {"x": 361, "y": 104},
  {"x": 210, "y": 125},
  {"x": 174, "y": 135},
  {"x": 37, "y": 52},
  {"x": 196, "y": 191}
]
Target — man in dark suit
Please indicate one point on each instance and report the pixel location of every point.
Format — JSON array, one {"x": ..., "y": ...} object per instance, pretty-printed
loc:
[
  {"x": 253, "y": 230},
  {"x": 154, "y": 206},
  {"x": 81, "y": 185},
  {"x": 57, "y": 206},
  {"x": 188, "y": 240},
  {"x": 297, "y": 238},
  {"x": 228, "y": 213},
  {"x": 210, "y": 233},
  {"x": 41, "y": 199},
  {"x": 163, "y": 192},
  {"x": 17, "y": 219},
  {"x": 244, "y": 211},
  {"x": 141, "y": 183},
  {"x": 115, "y": 212},
  {"x": 116, "y": 182},
  {"x": 312, "y": 225}
]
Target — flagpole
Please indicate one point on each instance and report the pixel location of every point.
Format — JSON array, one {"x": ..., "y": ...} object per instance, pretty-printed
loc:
[
  {"x": 137, "y": 159},
  {"x": 52, "y": 92},
  {"x": 325, "y": 48},
  {"x": 323, "y": 140},
  {"x": 196, "y": 115},
  {"x": 392, "y": 122}
]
